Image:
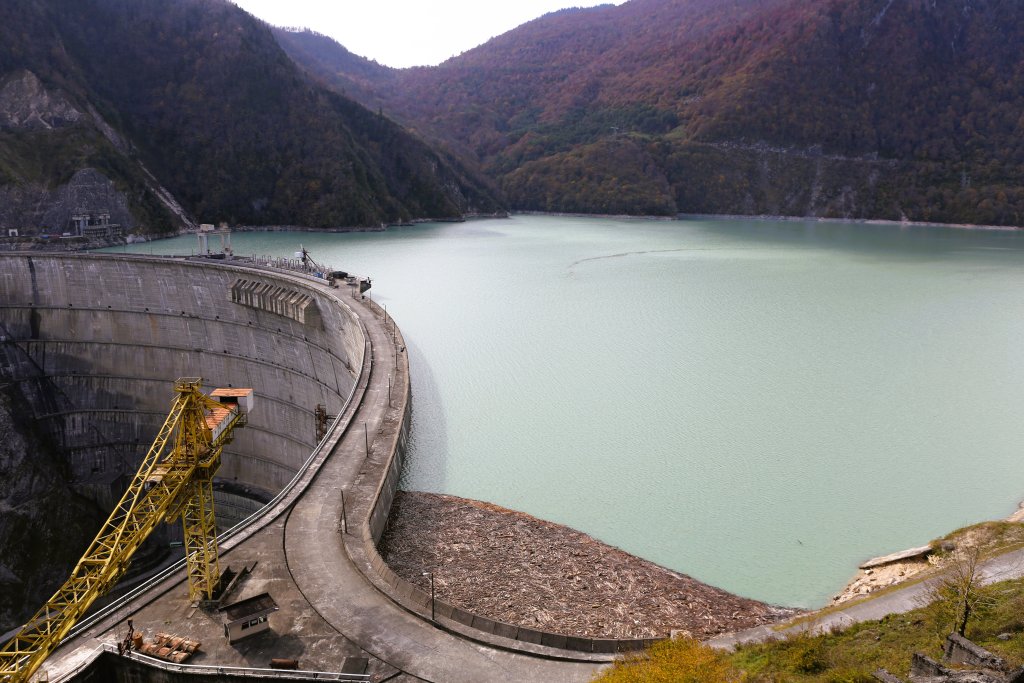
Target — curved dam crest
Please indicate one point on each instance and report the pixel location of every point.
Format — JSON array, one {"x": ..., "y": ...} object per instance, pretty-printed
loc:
[
  {"x": 114, "y": 367},
  {"x": 91, "y": 345}
]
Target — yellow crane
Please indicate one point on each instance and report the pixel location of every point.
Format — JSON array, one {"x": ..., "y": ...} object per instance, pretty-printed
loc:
[{"x": 174, "y": 480}]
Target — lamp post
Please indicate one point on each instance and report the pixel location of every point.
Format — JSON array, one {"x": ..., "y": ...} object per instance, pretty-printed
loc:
[{"x": 431, "y": 575}]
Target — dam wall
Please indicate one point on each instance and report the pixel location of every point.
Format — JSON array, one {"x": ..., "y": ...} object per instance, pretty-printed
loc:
[{"x": 95, "y": 341}]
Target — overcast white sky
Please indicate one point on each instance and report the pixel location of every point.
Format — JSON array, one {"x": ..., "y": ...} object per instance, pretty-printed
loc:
[{"x": 404, "y": 33}]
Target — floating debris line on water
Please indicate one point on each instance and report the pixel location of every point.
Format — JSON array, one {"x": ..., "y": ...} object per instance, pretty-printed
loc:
[{"x": 518, "y": 569}]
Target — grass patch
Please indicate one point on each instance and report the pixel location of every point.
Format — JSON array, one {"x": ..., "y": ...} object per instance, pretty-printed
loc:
[
  {"x": 674, "y": 661},
  {"x": 991, "y": 538},
  {"x": 847, "y": 656}
]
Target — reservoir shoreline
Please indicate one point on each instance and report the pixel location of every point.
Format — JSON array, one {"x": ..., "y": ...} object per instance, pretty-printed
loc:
[{"x": 630, "y": 217}]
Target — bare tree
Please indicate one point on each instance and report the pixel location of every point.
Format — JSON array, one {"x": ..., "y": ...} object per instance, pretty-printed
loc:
[{"x": 960, "y": 593}]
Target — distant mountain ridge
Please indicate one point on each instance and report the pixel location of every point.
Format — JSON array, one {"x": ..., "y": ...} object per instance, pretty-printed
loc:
[
  {"x": 195, "y": 100},
  {"x": 844, "y": 108},
  {"x": 331, "y": 62}
]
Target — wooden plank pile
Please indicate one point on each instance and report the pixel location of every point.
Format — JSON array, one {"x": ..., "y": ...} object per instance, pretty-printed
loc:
[{"x": 169, "y": 648}]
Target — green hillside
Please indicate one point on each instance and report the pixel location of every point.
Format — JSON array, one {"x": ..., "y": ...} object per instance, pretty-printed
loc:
[{"x": 203, "y": 96}]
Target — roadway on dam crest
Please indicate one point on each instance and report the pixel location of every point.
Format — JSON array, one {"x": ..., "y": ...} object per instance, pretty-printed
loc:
[
  {"x": 320, "y": 566},
  {"x": 330, "y": 611}
]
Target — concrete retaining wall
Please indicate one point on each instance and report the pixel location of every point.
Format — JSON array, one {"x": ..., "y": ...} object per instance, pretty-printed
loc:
[
  {"x": 111, "y": 668},
  {"x": 96, "y": 342}
]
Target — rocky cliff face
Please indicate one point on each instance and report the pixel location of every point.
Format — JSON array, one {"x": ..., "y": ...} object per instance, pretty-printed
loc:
[
  {"x": 26, "y": 105},
  {"x": 59, "y": 159},
  {"x": 32, "y": 113},
  {"x": 41, "y": 518}
]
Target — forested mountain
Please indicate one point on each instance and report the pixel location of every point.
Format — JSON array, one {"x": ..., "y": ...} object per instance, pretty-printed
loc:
[
  {"x": 328, "y": 61},
  {"x": 850, "y": 108},
  {"x": 199, "y": 93}
]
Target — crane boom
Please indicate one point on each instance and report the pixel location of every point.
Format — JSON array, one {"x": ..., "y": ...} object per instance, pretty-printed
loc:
[{"x": 170, "y": 483}]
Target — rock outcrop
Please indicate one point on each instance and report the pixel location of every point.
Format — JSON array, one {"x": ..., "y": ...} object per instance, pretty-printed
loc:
[
  {"x": 25, "y": 104},
  {"x": 46, "y": 157},
  {"x": 974, "y": 664},
  {"x": 41, "y": 517}
]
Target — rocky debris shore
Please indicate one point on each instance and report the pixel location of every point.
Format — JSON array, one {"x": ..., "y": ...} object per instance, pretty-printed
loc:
[
  {"x": 518, "y": 569},
  {"x": 882, "y": 572},
  {"x": 988, "y": 539}
]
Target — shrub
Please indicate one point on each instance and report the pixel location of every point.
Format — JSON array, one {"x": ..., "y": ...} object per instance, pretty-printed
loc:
[
  {"x": 674, "y": 661},
  {"x": 849, "y": 676}
]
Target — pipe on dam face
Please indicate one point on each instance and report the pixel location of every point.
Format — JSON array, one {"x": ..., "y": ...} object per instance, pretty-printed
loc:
[{"x": 96, "y": 340}]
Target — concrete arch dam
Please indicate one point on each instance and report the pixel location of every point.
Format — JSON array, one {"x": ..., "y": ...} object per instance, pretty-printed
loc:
[{"x": 93, "y": 342}]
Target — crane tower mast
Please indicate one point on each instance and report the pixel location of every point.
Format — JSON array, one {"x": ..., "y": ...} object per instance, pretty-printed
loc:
[{"x": 174, "y": 480}]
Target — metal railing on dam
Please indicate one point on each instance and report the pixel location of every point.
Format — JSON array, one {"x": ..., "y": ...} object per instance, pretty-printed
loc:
[{"x": 171, "y": 671}]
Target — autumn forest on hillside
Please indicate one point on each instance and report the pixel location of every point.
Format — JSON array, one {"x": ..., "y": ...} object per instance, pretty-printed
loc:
[{"x": 841, "y": 108}]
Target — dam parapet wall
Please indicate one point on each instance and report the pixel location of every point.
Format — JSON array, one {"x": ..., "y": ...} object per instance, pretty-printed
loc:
[{"x": 375, "y": 494}]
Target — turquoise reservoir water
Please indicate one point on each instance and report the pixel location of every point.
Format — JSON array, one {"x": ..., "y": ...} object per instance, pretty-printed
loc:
[{"x": 758, "y": 404}]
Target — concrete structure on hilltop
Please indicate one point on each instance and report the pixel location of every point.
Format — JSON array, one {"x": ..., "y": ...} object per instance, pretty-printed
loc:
[{"x": 94, "y": 224}]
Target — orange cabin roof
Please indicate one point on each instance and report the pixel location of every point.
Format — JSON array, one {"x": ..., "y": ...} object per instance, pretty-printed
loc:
[
  {"x": 217, "y": 416},
  {"x": 228, "y": 391}
]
